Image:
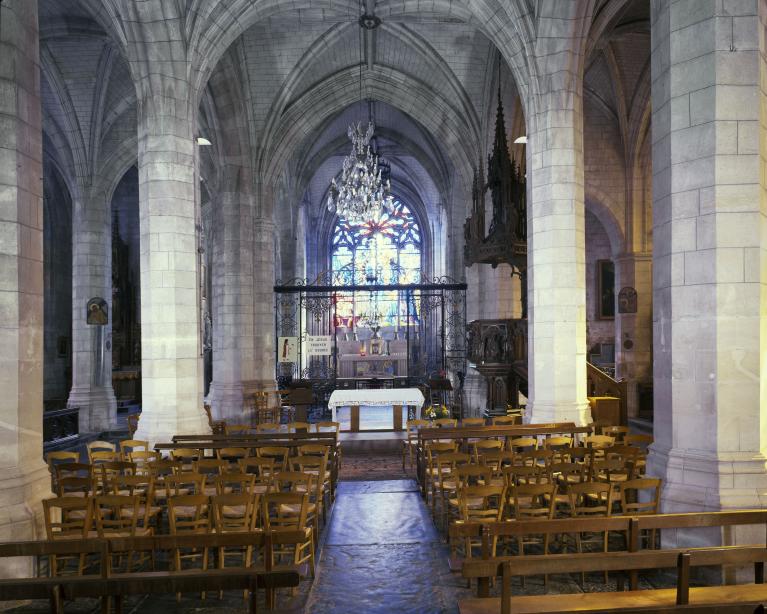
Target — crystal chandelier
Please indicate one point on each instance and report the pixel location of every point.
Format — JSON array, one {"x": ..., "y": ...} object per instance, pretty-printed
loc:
[
  {"x": 372, "y": 317},
  {"x": 362, "y": 193}
]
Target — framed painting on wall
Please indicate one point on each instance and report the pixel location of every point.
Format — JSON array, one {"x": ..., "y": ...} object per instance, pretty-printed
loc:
[{"x": 605, "y": 290}]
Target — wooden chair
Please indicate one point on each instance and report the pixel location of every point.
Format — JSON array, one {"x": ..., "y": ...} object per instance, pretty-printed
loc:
[
  {"x": 142, "y": 458},
  {"x": 100, "y": 446},
  {"x": 189, "y": 515},
  {"x": 132, "y": 445},
  {"x": 269, "y": 427},
  {"x": 183, "y": 483},
  {"x": 109, "y": 470},
  {"x": 288, "y": 511},
  {"x": 103, "y": 456},
  {"x": 237, "y": 429},
  {"x": 599, "y": 443},
  {"x": 560, "y": 446},
  {"x": 516, "y": 475},
  {"x": 262, "y": 409},
  {"x": 473, "y": 422},
  {"x": 141, "y": 486},
  {"x": 75, "y": 480},
  {"x": 640, "y": 441},
  {"x": 497, "y": 460},
  {"x": 55, "y": 458},
  {"x": 262, "y": 470},
  {"x": 303, "y": 482},
  {"x": 232, "y": 454},
  {"x": 117, "y": 516},
  {"x": 612, "y": 470},
  {"x": 331, "y": 427},
  {"x": 447, "y": 481},
  {"x": 504, "y": 420},
  {"x": 448, "y": 423},
  {"x": 327, "y": 427},
  {"x": 160, "y": 471},
  {"x": 278, "y": 453},
  {"x": 187, "y": 457},
  {"x": 433, "y": 450},
  {"x": 542, "y": 457},
  {"x": 216, "y": 426},
  {"x": 67, "y": 518},
  {"x": 316, "y": 466},
  {"x": 480, "y": 446},
  {"x": 234, "y": 513},
  {"x": 465, "y": 475},
  {"x": 298, "y": 427},
  {"x": 234, "y": 484},
  {"x": 562, "y": 475},
  {"x": 583, "y": 456},
  {"x": 632, "y": 504},
  {"x": 211, "y": 468},
  {"x": 616, "y": 432},
  {"x": 408, "y": 445},
  {"x": 521, "y": 444},
  {"x": 482, "y": 504},
  {"x": 633, "y": 457},
  {"x": 587, "y": 500},
  {"x": 533, "y": 502}
]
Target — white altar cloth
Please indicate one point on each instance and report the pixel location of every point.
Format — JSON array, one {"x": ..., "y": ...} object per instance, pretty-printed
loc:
[{"x": 377, "y": 397}]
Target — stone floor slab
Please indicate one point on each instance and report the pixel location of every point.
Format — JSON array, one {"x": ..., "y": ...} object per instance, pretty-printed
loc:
[
  {"x": 380, "y": 518},
  {"x": 359, "y": 488},
  {"x": 401, "y": 578}
]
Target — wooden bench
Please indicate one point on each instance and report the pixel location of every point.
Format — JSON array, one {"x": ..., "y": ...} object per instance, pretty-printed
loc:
[
  {"x": 711, "y": 597},
  {"x": 110, "y": 586},
  {"x": 631, "y": 526}
]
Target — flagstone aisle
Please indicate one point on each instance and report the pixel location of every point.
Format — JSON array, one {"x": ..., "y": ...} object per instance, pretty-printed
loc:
[{"x": 382, "y": 554}]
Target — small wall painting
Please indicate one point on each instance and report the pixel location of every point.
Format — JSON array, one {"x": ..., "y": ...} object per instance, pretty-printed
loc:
[
  {"x": 96, "y": 313},
  {"x": 287, "y": 348},
  {"x": 627, "y": 300}
]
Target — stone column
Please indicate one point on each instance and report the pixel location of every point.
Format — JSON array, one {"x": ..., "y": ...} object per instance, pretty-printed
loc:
[
  {"x": 709, "y": 267},
  {"x": 171, "y": 349},
  {"x": 234, "y": 359},
  {"x": 91, "y": 344},
  {"x": 633, "y": 331},
  {"x": 556, "y": 261},
  {"x": 263, "y": 284},
  {"x": 24, "y": 478}
]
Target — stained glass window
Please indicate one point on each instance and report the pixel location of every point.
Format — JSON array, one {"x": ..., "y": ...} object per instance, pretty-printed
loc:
[{"x": 383, "y": 251}]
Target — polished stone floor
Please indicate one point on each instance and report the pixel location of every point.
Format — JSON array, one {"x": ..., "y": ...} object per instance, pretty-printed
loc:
[{"x": 383, "y": 554}]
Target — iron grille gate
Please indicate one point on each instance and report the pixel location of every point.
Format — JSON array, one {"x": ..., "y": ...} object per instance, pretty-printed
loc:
[{"x": 434, "y": 334}]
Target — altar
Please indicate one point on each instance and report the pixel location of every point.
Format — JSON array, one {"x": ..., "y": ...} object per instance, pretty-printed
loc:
[{"x": 396, "y": 398}]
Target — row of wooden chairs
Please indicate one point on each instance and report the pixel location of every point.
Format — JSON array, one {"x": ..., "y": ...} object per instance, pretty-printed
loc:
[
  {"x": 496, "y": 503},
  {"x": 120, "y": 516},
  {"x": 613, "y": 464},
  {"x": 449, "y": 470},
  {"x": 413, "y": 426},
  {"x": 492, "y": 484},
  {"x": 166, "y": 477},
  {"x": 609, "y": 436},
  {"x": 133, "y": 451}
]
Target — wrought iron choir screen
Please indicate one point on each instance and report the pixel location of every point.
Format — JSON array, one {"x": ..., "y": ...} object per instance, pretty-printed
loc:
[{"x": 344, "y": 325}]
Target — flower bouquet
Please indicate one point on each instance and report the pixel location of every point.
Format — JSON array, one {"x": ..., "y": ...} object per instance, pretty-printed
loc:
[{"x": 435, "y": 412}]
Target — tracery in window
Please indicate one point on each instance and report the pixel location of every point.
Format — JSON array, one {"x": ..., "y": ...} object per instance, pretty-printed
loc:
[{"x": 383, "y": 251}]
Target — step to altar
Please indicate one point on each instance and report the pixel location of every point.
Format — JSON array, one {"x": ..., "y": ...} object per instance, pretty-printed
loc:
[{"x": 366, "y": 442}]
